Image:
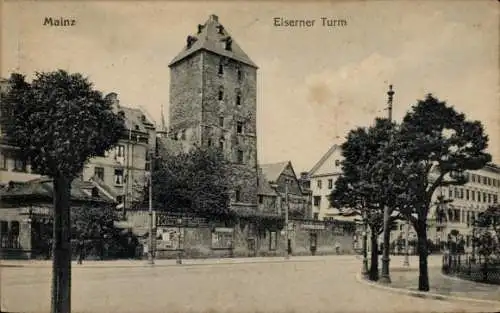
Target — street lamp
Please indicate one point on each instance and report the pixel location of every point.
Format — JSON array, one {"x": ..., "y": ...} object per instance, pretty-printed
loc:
[
  {"x": 473, "y": 223},
  {"x": 406, "y": 262},
  {"x": 179, "y": 251},
  {"x": 288, "y": 244},
  {"x": 364, "y": 270},
  {"x": 150, "y": 212}
]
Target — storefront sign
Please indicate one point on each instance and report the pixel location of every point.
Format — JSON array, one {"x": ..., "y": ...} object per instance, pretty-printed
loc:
[{"x": 313, "y": 226}]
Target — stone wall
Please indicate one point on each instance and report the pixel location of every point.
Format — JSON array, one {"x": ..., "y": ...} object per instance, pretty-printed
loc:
[{"x": 248, "y": 239}]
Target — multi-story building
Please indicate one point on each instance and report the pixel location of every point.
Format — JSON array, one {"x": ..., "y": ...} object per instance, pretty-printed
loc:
[
  {"x": 285, "y": 183},
  {"x": 322, "y": 177},
  {"x": 126, "y": 159},
  {"x": 213, "y": 95},
  {"x": 462, "y": 204},
  {"x": 122, "y": 169}
]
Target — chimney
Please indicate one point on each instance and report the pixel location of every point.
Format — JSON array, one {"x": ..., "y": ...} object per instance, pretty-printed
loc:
[
  {"x": 214, "y": 18},
  {"x": 113, "y": 98}
]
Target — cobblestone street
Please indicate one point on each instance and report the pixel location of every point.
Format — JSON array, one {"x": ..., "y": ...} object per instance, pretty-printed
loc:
[{"x": 302, "y": 284}]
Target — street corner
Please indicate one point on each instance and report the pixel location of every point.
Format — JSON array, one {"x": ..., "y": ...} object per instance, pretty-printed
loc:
[{"x": 425, "y": 295}]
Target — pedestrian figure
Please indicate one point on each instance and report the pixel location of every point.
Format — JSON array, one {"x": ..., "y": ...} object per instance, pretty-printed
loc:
[
  {"x": 80, "y": 249},
  {"x": 337, "y": 247}
]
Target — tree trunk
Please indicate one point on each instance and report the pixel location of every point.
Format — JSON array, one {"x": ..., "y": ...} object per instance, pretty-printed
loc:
[
  {"x": 61, "y": 264},
  {"x": 423, "y": 278},
  {"x": 373, "y": 275}
]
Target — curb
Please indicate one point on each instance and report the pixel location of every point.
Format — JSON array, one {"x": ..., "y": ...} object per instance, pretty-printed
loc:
[
  {"x": 89, "y": 265},
  {"x": 465, "y": 280},
  {"x": 421, "y": 294}
]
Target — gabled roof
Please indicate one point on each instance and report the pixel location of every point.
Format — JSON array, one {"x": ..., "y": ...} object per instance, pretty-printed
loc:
[
  {"x": 209, "y": 39},
  {"x": 135, "y": 119},
  {"x": 263, "y": 188},
  {"x": 272, "y": 171},
  {"x": 44, "y": 188},
  {"x": 324, "y": 158}
]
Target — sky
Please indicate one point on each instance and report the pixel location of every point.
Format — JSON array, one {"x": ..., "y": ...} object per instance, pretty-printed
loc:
[{"x": 314, "y": 84}]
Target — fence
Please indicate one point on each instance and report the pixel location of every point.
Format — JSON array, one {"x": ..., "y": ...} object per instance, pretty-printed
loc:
[{"x": 472, "y": 267}]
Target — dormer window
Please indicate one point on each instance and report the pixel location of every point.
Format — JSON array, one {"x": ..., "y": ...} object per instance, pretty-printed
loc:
[
  {"x": 221, "y": 94},
  {"x": 200, "y": 28},
  {"x": 220, "y": 29},
  {"x": 190, "y": 41},
  {"x": 229, "y": 43}
]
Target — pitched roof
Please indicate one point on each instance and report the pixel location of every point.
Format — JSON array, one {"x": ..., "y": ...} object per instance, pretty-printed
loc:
[
  {"x": 210, "y": 39},
  {"x": 263, "y": 188},
  {"x": 135, "y": 119},
  {"x": 324, "y": 158},
  {"x": 44, "y": 187},
  {"x": 273, "y": 171}
]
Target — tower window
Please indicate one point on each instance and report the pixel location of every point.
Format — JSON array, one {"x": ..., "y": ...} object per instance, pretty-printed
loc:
[
  {"x": 238, "y": 98},
  {"x": 237, "y": 194},
  {"x": 239, "y": 156},
  {"x": 221, "y": 121},
  {"x": 239, "y": 127},
  {"x": 240, "y": 74},
  {"x": 221, "y": 67},
  {"x": 221, "y": 143},
  {"x": 221, "y": 94},
  {"x": 209, "y": 142}
]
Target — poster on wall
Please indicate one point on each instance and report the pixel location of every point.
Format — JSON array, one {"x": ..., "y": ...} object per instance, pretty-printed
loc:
[
  {"x": 222, "y": 238},
  {"x": 273, "y": 240},
  {"x": 169, "y": 238}
]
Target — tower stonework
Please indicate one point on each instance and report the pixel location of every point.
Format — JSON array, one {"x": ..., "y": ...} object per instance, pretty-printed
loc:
[{"x": 213, "y": 102}]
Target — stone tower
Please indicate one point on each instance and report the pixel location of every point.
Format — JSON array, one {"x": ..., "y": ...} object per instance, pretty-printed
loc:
[{"x": 213, "y": 99}]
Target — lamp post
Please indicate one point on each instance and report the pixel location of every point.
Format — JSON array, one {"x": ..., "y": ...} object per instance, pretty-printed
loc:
[
  {"x": 151, "y": 260},
  {"x": 473, "y": 223},
  {"x": 364, "y": 270},
  {"x": 385, "y": 277},
  {"x": 406, "y": 262},
  {"x": 179, "y": 250},
  {"x": 287, "y": 255}
]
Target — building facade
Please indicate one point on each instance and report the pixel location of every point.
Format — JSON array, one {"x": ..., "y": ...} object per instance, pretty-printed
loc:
[
  {"x": 322, "y": 177},
  {"x": 111, "y": 170},
  {"x": 287, "y": 186},
  {"x": 462, "y": 204},
  {"x": 213, "y": 96}
]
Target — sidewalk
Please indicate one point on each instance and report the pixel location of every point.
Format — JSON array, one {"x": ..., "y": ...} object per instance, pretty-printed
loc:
[
  {"x": 444, "y": 285},
  {"x": 172, "y": 262}
]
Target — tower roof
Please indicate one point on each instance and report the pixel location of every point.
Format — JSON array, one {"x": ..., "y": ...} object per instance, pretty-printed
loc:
[{"x": 212, "y": 36}]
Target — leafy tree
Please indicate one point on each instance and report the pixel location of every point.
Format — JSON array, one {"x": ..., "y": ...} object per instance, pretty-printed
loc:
[
  {"x": 59, "y": 121},
  {"x": 96, "y": 225},
  {"x": 360, "y": 185},
  {"x": 193, "y": 182},
  {"x": 487, "y": 228},
  {"x": 434, "y": 146}
]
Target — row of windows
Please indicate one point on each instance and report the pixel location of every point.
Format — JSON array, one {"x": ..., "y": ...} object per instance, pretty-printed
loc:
[
  {"x": 472, "y": 195},
  {"x": 320, "y": 184},
  {"x": 221, "y": 70},
  {"x": 456, "y": 216},
  {"x": 118, "y": 177},
  {"x": 475, "y": 178},
  {"x": 237, "y": 100}
]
